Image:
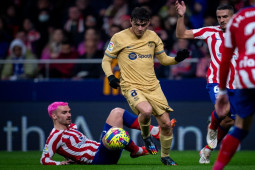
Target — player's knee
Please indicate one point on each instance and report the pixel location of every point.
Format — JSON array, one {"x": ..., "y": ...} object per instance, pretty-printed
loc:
[
  {"x": 116, "y": 113},
  {"x": 166, "y": 126},
  {"x": 147, "y": 112}
]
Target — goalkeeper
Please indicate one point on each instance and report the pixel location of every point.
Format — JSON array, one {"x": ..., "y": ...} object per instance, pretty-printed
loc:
[
  {"x": 135, "y": 48},
  {"x": 68, "y": 142}
]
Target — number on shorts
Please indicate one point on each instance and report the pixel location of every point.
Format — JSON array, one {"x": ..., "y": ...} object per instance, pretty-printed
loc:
[{"x": 216, "y": 89}]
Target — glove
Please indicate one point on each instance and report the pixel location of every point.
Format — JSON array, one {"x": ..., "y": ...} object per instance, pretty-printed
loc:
[
  {"x": 114, "y": 82},
  {"x": 181, "y": 55}
]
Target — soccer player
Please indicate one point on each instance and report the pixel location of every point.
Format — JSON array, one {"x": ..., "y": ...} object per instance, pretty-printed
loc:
[
  {"x": 214, "y": 37},
  {"x": 240, "y": 33},
  {"x": 67, "y": 141},
  {"x": 135, "y": 48}
]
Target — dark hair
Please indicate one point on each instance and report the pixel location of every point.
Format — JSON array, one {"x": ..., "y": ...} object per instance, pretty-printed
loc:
[
  {"x": 224, "y": 7},
  {"x": 140, "y": 14}
]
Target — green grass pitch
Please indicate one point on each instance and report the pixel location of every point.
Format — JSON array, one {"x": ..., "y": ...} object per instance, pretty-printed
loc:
[{"x": 187, "y": 160}]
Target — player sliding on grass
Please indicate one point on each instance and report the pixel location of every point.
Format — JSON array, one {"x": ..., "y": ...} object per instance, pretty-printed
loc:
[
  {"x": 135, "y": 49},
  {"x": 67, "y": 141},
  {"x": 214, "y": 38}
]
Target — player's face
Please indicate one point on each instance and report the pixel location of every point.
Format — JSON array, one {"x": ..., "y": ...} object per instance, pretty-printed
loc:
[
  {"x": 223, "y": 16},
  {"x": 63, "y": 115},
  {"x": 139, "y": 27}
]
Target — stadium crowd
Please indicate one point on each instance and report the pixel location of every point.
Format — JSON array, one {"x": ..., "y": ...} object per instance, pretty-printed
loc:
[{"x": 81, "y": 29}]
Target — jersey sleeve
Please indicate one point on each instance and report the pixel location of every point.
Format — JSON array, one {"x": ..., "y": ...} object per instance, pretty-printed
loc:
[
  {"x": 204, "y": 33},
  {"x": 111, "y": 53},
  {"x": 159, "y": 45},
  {"x": 49, "y": 150},
  {"x": 113, "y": 47}
]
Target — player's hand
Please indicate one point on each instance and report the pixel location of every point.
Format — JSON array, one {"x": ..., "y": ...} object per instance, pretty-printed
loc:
[
  {"x": 181, "y": 55},
  {"x": 222, "y": 105},
  {"x": 114, "y": 82},
  {"x": 67, "y": 162},
  {"x": 180, "y": 7}
]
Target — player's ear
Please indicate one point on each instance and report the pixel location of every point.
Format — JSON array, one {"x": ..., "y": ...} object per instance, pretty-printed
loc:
[{"x": 53, "y": 115}]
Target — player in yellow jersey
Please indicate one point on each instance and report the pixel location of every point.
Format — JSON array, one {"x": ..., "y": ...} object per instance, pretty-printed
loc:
[{"x": 135, "y": 49}]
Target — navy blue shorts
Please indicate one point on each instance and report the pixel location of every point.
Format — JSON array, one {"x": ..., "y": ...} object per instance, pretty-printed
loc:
[
  {"x": 213, "y": 90},
  {"x": 245, "y": 102}
]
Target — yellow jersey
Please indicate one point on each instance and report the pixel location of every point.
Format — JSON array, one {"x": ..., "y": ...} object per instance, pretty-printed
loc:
[{"x": 135, "y": 58}]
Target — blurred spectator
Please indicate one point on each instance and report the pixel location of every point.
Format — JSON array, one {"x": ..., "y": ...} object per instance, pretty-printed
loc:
[
  {"x": 114, "y": 13},
  {"x": 183, "y": 69},
  {"x": 18, "y": 71},
  {"x": 89, "y": 70},
  {"x": 125, "y": 22},
  {"x": 210, "y": 21},
  {"x": 64, "y": 70},
  {"x": 169, "y": 26},
  {"x": 12, "y": 20},
  {"x": 31, "y": 35},
  {"x": 157, "y": 26},
  {"x": 74, "y": 26},
  {"x": 204, "y": 59},
  {"x": 52, "y": 49},
  {"x": 43, "y": 26},
  {"x": 90, "y": 21},
  {"x": 90, "y": 34},
  {"x": 198, "y": 10},
  {"x": 85, "y": 7},
  {"x": 5, "y": 39}
]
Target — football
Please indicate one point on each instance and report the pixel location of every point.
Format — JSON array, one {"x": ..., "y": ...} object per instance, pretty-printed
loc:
[{"x": 116, "y": 138}]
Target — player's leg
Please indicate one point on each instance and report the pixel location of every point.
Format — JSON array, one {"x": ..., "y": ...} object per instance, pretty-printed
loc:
[
  {"x": 245, "y": 107},
  {"x": 116, "y": 119},
  {"x": 232, "y": 141},
  {"x": 166, "y": 136},
  {"x": 144, "y": 119},
  {"x": 140, "y": 105},
  {"x": 212, "y": 130},
  {"x": 223, "y": 128},
  {"x": 130, "y": 120}
]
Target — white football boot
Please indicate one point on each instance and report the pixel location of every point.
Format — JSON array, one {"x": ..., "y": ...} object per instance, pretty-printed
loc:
[
  {"x": 205, "y": 156},
  {"x": 211, "y": 138}
]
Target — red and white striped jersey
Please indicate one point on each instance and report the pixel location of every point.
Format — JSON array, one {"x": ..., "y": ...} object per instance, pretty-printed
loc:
[
  {"x": 214, "y": 38},
  {"x": 71, "y": 144},
  {"x": 240, "y": 33}
]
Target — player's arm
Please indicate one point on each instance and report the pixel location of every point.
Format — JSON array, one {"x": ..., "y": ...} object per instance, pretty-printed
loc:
[
  {"x": 222, "y": 102},
  {"x": 181, "y": 31},
  {"x": 168, "y": 60},
  {"x": 49, "y": 151},
  {"x": 107, "y": 67}
]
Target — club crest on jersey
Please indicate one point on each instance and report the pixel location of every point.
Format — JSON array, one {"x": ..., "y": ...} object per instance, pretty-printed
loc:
[
  {"x": 151, "y": 44},
  {"x": 110, "y": 46},
  {"x": 132, "y": 56}
]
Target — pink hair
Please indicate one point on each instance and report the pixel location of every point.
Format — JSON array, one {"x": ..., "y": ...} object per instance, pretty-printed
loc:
[{"x": 53, "y": 106}]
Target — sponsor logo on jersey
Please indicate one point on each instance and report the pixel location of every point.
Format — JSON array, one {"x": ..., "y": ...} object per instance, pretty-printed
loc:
[
  {"x": 247, "y": 62},
  {"x": 145, "y": 56},
  {"x": 132, "y": 56},
  {"x": 110, "y": 46}
]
